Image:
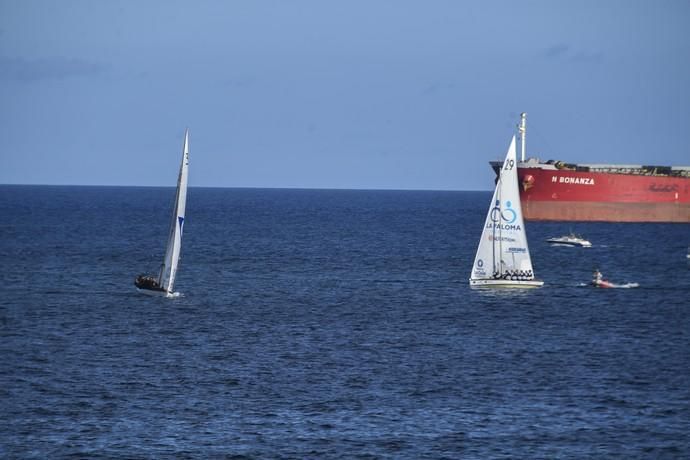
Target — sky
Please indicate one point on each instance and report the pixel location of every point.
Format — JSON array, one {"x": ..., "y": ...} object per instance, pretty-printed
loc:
[{"x": 364, "y": 94}]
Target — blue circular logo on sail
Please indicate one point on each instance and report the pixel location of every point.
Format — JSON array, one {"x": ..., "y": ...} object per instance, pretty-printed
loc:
[
  {"x": 508, "y": 215},
  {"x": 511, "y": 213}
]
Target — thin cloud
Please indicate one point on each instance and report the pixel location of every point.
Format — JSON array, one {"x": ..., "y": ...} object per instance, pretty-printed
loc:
[{"x": 54, "y": 68}]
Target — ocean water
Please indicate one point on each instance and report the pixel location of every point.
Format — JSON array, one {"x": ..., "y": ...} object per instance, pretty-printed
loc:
[{"x": 331, "y": 324}]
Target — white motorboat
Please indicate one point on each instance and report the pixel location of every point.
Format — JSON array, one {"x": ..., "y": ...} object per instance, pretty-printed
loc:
[{"x": 570, "y": 240}]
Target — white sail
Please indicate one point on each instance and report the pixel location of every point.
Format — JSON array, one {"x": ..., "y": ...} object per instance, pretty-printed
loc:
[
  {"x": 166, "y": 278},
  {"x": 503, "y": 246}
]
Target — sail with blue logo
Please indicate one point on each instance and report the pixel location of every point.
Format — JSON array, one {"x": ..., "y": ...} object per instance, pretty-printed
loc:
[
  {"x": 166, "y": 277},
  {"x": 503, "y": 258}
]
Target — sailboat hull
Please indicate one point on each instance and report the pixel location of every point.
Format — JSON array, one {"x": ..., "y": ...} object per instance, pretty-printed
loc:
[
  {"x": 491, "y": 283},
  {"x": 158, "y": 293}
]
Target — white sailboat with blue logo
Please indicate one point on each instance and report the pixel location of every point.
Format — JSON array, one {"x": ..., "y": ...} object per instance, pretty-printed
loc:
[
  {"x": 503, "y": 258},
  {"x": 164, "y": 283}
]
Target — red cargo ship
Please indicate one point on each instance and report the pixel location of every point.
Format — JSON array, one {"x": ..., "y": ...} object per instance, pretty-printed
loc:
[{"x": 554, "y": 190}]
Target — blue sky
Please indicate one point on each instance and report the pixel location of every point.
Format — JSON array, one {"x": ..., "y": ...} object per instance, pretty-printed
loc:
[{"x": 372, "y": 94}]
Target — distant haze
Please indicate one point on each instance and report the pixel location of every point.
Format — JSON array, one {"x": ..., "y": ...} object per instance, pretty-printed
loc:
[{"x": 325, "y": 94}]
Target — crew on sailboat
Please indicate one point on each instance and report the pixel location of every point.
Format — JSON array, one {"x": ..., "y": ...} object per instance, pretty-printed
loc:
[
  {"x": 147, "y": 282},
  {"x": 515, "y": 275}
]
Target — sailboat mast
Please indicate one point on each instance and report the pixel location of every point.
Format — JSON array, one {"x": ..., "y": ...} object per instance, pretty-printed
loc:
[
  {"x": 500, "y": 232},
  {"x": 493, "y": 243},
  {"x": 163, "y": 277},
  {"x": 522, "y": 129}
]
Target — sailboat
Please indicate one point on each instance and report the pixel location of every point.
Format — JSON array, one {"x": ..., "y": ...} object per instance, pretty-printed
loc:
[
  {"x": 163, "y": 284},
  {"x": 503, "y": 258}
]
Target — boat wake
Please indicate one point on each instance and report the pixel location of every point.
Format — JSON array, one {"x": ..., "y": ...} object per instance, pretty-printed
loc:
[
  {"x": 625, "y": 286},
  {"x": 613, "y": 285},
  {"x": 167, "y": 295}
]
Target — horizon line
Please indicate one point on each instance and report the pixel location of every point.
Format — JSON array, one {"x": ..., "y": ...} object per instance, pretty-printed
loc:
[{"x": 364, "y": 189}]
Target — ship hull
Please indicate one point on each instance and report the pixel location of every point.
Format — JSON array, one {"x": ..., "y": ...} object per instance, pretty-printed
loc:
[
  {"x": 554, "y": 194},
  {"x": 589, "y": 211}
]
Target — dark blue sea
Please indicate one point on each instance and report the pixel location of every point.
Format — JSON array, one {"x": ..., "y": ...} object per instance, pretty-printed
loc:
[{"x": 331, "y": 324}]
